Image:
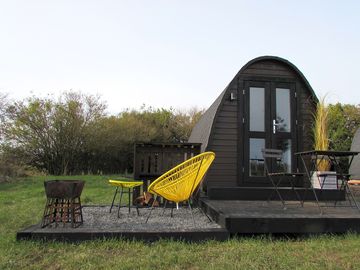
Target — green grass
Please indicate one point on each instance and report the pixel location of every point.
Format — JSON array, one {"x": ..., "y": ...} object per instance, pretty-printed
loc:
[{"x": 26, "y": 196}]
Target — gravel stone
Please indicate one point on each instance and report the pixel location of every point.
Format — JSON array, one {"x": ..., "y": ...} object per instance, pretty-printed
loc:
[{"x": 99, "y": 218}]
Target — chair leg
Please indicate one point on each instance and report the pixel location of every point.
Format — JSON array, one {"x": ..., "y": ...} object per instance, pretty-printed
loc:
[
  {"x": 351, "y": 195},
  {"x": 152, "y": 207},
  {"x": 112, "y": 204},
  {"x": 165, "y": 204},
  {"x": 172, "y": 209},
  {"x": 275, "y": 186},
  {"x": 297, "y": 194},
  {"x": 202, "y": 210},
  {"x": 278, "y": 192},
  {"x": 192, "y": 214}
]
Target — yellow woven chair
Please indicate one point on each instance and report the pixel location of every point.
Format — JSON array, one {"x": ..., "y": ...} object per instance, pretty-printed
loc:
[{"x": 179, "y": 183}]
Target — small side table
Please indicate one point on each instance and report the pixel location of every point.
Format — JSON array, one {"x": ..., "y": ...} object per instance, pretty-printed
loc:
[{"x": 122, "y": 184}]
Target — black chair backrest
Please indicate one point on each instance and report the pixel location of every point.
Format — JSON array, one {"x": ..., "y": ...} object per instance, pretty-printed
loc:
[{"x": 272, "y": 153}]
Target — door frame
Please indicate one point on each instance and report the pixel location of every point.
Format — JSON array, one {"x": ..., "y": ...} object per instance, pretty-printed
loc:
[{"x": 270, "y": 84}]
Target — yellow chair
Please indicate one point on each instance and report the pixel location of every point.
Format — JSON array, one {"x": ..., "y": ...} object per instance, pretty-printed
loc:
[
  {"x": 179, "y": 183},
  {"x": 129, "y": 184}
]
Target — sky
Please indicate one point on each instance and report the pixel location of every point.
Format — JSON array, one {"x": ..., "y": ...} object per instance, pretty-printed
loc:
[{"x": 173, "y": 53}]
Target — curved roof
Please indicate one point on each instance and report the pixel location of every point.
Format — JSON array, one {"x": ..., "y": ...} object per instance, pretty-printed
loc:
[
  {"x": 202, "y": 130},
  {"x": 284, "y": 61}
]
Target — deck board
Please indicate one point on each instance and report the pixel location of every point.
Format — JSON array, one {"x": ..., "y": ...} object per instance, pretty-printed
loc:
[{"x": 253, "y": 217}]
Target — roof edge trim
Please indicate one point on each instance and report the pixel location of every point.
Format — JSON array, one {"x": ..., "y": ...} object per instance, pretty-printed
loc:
[{"x": 276, "y": 58}]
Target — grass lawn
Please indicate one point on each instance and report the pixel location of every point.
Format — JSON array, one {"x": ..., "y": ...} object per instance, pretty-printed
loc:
[{"x": 22, "y": 203}]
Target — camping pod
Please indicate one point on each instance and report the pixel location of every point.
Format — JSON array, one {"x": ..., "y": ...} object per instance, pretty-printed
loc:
[{"x": 268, "y": 104}]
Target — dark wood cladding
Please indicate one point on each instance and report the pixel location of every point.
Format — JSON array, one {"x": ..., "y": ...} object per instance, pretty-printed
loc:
[
  {"x": 223, "y": 141},
  {"x": 226, "y": 116},
  {"x": 151, "y": 160},
  {"x": 308, "y": 107}
]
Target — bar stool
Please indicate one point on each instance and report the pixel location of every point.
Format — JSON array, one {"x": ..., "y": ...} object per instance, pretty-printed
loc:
[{"x": 122, "y": 184}]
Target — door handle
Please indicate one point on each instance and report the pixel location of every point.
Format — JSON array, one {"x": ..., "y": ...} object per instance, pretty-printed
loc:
[{"x": 274, "y": 126}]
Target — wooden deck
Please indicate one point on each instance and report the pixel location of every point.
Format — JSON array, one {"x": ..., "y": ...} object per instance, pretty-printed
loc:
[
  {"x": 100, "y": 224},
  {"x": 234, "y": 217},
  {"x": 35, "y": 232},
  {"x": 258, "y": 217}
]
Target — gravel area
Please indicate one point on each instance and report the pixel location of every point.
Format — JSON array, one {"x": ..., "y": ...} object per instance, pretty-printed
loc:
[{"x": 99, "y": 218}]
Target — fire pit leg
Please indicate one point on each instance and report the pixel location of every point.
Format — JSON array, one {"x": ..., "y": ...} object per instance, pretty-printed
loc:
[
  {"x": 49, "y": 213},
  {"x": 76, "y": 212},
  {"x": 72, "y": 213}
]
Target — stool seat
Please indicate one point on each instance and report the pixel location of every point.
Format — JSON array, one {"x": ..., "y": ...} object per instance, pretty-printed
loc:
[
  {"x": 354, "y": 182},
  {"x": 125, "y": 183}
]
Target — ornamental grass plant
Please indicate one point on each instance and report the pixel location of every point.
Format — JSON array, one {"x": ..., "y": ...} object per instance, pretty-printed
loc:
[{"x": 321, "y": 133}]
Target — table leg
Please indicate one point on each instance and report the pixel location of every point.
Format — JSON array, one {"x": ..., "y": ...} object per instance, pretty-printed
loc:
[
  {"x": 311, "y": 186},
  {"x": 122, "y": 190},
  {"x": 112, "y": 204},
  {"x": 129, "y": 199}
]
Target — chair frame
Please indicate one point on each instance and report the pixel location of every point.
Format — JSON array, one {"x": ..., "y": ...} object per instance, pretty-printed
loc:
[
  {"x": 182, "y": 173},
  {"x": 277, "y": 154}
]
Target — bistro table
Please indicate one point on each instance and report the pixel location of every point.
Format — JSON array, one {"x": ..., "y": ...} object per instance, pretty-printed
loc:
[{"x": 314, "y": 156}]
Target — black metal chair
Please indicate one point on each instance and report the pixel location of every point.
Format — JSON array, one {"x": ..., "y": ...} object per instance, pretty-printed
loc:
[{"x": 277, "y": 155}]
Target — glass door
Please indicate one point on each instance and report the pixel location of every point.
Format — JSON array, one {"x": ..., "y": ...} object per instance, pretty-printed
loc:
[{"x": 269, "y": 122}]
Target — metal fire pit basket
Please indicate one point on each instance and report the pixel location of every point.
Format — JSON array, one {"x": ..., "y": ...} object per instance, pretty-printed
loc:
[{"x": 63, "y": 202}]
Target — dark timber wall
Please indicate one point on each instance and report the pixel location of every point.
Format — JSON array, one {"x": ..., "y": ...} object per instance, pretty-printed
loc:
[{"x": 221, "y": 129}]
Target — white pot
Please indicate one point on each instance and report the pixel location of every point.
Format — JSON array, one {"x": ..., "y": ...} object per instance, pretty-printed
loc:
[{"x": 324, "y": 180}]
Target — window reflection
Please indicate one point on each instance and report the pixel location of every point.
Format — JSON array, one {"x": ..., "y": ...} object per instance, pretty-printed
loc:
[
  {"x": 257, "y": 109},
  {"x": 256, "y": 158},
  {"x": 283, "y": 109},
  {"x": 284, "y": 165}
]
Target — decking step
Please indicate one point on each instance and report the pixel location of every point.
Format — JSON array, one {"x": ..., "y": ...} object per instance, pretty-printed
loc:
[
  {"x": 263, "y": 193},
  {"x": 258, "y": 217}
]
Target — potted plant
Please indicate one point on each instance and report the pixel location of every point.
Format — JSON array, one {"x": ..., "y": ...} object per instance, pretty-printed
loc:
[{"x": 321, "y": 142}]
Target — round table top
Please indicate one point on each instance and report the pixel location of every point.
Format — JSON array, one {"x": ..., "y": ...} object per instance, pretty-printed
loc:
[{"x": 125, "y": 183}]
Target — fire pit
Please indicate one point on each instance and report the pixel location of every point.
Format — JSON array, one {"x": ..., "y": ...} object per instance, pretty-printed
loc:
[{"x": 63, "y": 202}]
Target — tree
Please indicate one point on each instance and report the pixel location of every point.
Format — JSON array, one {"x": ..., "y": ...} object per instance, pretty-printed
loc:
[
  {"x": 52, "y": 134},
  {"x": 72, "y": 134},
  {"x": 344, "y": 120},
  {"x": 112, "y": 143},
  {"x": 3, "y": 105},
  {"x": 183, "y": 122}
]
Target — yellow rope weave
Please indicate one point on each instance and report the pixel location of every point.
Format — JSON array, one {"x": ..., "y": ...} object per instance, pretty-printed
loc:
[{"x": 179, "y": 183}]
